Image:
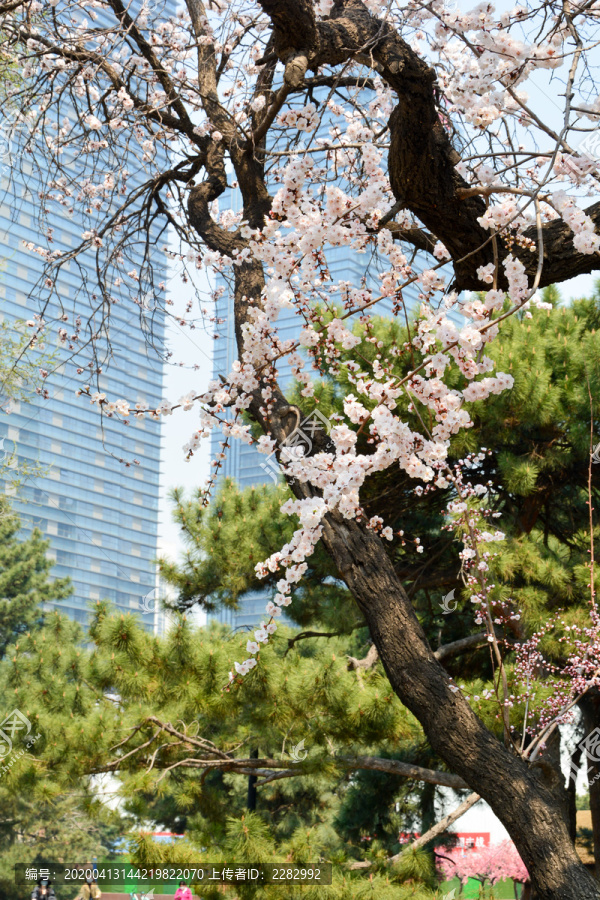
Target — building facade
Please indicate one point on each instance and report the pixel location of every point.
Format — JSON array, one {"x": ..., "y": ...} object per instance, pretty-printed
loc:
[{"x": 99, "y": 514}]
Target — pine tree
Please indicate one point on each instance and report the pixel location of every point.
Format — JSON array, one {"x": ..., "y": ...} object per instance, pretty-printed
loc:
[
  {"x": 40, "y": 816},
  {"x": 103, "y": 710},
  {"x": 226, "y": 540},
  {"x": 538, "y": 442},
  {"x": 156, "y": 710},
  {"x": 537, "y": 438},
  {"x": 25, "y": 585},
  {"x": 38, "y": 831}
]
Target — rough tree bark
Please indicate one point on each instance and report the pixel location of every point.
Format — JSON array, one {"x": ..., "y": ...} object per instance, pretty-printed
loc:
[{"x": 530, "y": 800}]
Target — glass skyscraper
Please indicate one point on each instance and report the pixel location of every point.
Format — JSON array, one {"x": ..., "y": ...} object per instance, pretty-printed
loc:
[
  {"x": 101, "y": 517},
  {"x": 99, "y": 514}
]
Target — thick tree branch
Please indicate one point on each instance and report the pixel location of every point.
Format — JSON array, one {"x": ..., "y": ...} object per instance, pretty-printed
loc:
[
  {"x": 405, "y": 770},
  {"x": 415, "y": 236},
  {"x": 440, "y": 826},
  {"x": 207, "y": 72},
  {"x": 272, "y": 769},
  {"x": 303, "y": 635},
  {"x": 422, "y": 160},
  {"x": 455, "y": 647},
  {"x": 228, "y": 762}
]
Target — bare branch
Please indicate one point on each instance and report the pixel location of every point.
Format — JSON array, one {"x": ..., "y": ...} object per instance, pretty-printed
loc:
[
  {"x": 456, "y": 647},
  {"x": 404, "y": 770},
  {"x": 429, "y": 835},
  {"x": 369, "y": 660}
]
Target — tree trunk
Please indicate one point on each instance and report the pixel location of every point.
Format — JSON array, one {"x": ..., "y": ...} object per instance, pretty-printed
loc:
[
  {"x": 523, "y": 796},
  {"x": 576, "y": 758},
  {"x": 427, "y": 807},
  {"x": 528, "y": 799}
]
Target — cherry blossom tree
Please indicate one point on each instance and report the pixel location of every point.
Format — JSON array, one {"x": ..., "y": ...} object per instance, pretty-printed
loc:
[
  {"x": 403, "y": 132},
  {"x": 487, "y": 864}
]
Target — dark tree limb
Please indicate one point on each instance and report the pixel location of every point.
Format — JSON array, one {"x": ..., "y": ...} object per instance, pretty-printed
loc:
[
  {"x": 422, "y": 160},
  {"x": 590, "y": 707},
  {"x": 304, "y": 635},
  {"x": 415, "y": 236},
  {"x": 523, "y": 795},
  {"x": 430, "y": 834}
]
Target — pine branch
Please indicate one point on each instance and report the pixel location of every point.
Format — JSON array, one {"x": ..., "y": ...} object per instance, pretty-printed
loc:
[
  {"x": 404, "y": 770},
  {"x": 440, "y": 827}
]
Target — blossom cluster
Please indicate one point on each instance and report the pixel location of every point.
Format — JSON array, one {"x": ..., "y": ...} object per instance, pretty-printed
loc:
[{"x": 137, "y": 92}]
